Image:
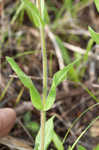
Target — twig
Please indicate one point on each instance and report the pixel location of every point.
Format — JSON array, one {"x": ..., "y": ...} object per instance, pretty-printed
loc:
[
  {"x": 79, "y": 32},
  {"x": 32, "y": 77},
  {"x": 57, "y": 49},
  {"x": 80, "y": 50}
]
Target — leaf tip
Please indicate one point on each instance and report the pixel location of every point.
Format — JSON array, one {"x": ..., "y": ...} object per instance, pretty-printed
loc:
[
  {"x": 90, "y": 29},
  {"x": 8, "y": 58}
]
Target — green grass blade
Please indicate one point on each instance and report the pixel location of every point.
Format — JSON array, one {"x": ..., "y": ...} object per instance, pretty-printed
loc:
[
  {"x": 6, "y": 88},
  {"x": 94, "y": 35},
  {"x": 21, "y": 7},
  {"x": 92, "y": 122},
  {"x": 33, "y": 13},
  {"x": 88, "y": 49},
  {"x": 89, "y": 92},
  {"x": 24, "y": 53},
  {"x": 77, "y": 119},
  {"x": 85, "y": 58}
]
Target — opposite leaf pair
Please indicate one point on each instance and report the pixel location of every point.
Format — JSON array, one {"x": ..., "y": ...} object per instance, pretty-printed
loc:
[{"x": 35, "y": 96}]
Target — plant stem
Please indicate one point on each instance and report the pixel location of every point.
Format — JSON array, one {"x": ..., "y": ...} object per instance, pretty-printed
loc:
[
  {"x": 44, "y": 59},
  {"x": 43, "y": 113}
]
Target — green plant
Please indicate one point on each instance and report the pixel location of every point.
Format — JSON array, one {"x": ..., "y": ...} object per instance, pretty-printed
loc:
[
  {"x": 35, "y": 96},
  {"x": 81, "y": 147},
  {"x": 31, "y": 125},
  {"x": 46, "y": 134},
  {"x": 37, "y": 16}
]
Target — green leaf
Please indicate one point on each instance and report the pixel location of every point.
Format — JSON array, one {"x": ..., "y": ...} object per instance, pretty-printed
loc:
[
  {"x": 23, "y": 77},
  {"x": 81, "y": 147},
  {"x": 27, "y": 117},
  {"x": 33, "y": 126},
  {"x": 46, "y": 16},
  {"x": 35, "y": 96},
  {"x": 85, "y": 57},
  {"x": 68, "y": 4},
  {"x": 33, "y": 13},
  {"x": 21, "y": 7},
  {"x": 97, "y": 147},
  {"x": 43, "y": 12},
  {"x": 57, "y": 79},
  {"x": 94, "y": 35},
  {"x": 88, "y": 49},
  {"x": 48, "y": 134},
  {"x": 57, "y": 141},
  {"x": 97, "y": 4}
]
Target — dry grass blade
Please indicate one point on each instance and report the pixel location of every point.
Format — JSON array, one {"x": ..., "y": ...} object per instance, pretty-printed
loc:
[
  {"x": 14, "y": 143},
  {"x": 80, "y": 50},
  {"x": 58, "y": 54}
]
